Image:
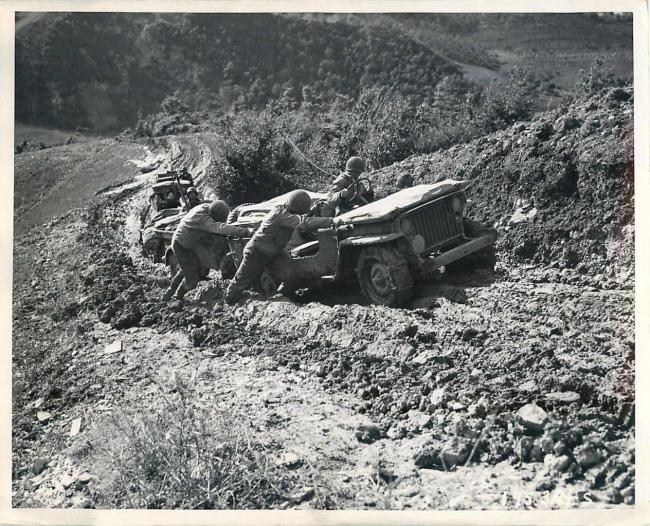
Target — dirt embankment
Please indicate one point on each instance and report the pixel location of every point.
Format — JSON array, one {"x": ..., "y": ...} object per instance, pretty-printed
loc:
[
  {"x": 511, "y": 390},
  {"x": 572, "y": 171}
]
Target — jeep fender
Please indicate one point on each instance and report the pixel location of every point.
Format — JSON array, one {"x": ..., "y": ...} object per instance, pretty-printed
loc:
[
  {"x": 168, "y": 253},
  {"x": 364, "y": 241}
]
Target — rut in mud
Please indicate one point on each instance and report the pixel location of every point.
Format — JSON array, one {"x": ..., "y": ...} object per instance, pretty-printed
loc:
[{"x": 514, "y": 389}]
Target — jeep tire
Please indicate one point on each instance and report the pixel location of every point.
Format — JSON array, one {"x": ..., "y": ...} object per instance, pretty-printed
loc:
[{"x": 384, "y": 276}]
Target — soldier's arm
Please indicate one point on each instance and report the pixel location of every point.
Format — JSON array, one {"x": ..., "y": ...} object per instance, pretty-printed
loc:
[
  {"x": 337, "y": 191},
  {"x": 314, "y": 223},
  {"x": 224, "y": 230}
]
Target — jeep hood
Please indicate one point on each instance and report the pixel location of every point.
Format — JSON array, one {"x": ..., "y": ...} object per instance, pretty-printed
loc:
[
  {"x": 257, "y": 211},
  {"x": 394, "y": 204}
]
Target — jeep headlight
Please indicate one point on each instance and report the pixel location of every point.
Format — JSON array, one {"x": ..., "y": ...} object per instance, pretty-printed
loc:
[
  {"x": 407, "y": 227},
  {"x": 457, "y": 205}
]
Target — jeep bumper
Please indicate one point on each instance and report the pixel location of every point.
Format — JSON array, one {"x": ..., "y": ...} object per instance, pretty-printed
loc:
[{"x": 461, "y": 251}]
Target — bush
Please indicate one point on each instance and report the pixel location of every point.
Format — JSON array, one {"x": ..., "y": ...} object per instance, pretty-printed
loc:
[{"x": 181, "y": 455}]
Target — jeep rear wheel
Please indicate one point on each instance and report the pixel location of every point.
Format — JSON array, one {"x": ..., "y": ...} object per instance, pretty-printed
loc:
[{"x": 384, "y": 276}]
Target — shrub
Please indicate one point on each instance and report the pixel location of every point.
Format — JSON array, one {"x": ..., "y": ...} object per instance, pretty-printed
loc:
[{"x": 180, "y": 455}]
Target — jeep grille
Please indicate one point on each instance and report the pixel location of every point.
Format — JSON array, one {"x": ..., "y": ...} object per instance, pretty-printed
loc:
[{"x": 436, "y": 223}]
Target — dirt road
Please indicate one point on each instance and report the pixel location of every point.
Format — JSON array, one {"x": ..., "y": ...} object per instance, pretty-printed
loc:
[{"x": 513, "y": 390}]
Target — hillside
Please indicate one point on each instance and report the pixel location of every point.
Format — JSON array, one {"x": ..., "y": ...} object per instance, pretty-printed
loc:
[
  {"x": 65, "y": 77},
  {"x": 330, "y": 402}
]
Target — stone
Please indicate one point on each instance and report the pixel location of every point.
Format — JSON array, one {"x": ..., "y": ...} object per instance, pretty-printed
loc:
[
  {"x": 559, "y": 448},
  {"x": 627, "y": 492},
  {"x": 67, "y": 481},
  {"x": 114, "y": 347},
  {"x": 529, "y": 386},
  {"x": 622, "y": 481},
  {"x": 39, "y": 465},
  {"x": 546, "y": 484},
  {"x": 79, "y": 501},
  {"x": 419, "y": 419},
  {"x": 306, "y": 494},
  {"x": 565, "y": 397},
  {"x": 469, "y": 333},
  {"x": 387, "y": 475},
  {"x": 557, "y": 464},
  {"x": 43, "y": 416},
  {"x": 455, "y": 451},
  {"x": 368, "y": 433},
  {"x": 456, "y": 406},
  {"x": 587, "y": 456},
  {"x": 85, "y": 477},
  {"x": 396, "y": 432},
  {"x": 438, "y": 397},
  {"x": 290, "y": 460},
  {"x": 532, "y": 417},
  {"x": 75, "y": 428}
]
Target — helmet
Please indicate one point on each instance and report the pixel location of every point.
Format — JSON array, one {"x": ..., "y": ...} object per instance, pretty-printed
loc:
[
  {"x": 219, "y": 211},
  {"x": 190, "y": 190},
  {"x": 299, "y": 202},
  {"x": 355, "y": 164},
  {"x": 404, "y": 181}
]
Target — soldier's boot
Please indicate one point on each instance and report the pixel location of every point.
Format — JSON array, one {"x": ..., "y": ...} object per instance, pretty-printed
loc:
[
  {"x": 180, "y": 292},
  {"x": 176, "y": 281}
]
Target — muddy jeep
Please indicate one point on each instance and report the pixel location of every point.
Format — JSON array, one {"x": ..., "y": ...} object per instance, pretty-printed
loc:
[{"x": 384, "y": 246}]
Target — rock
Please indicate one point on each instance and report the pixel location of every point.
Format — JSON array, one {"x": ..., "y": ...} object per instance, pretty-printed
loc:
[
  {"x": 107, "y": 314},
  {"x": 39, "y": 465},
  {"x": 84, "y": 478},
  {"x": 529, "y": 386},
  {"x": 546, "y": 484},
  {"x": 614, "y": 496},
  {"x": 627, "y": 492},
  {"x": 438, "y": 397},
  {"x": 387, "y": 475},
  {"x": 469, "y": 333},
  {"x": 43, "y": 416},
  {"x": 75, "y": 427},
  {"x": 622, "y": 481},
  {"x": 455, "y": 451},
  {"x": 368, "y": 433},
  {"x": 67, "y": 481},
  {"x": 418, "y": 419},
  {"x": 456, "y": 406},
  {"x": 79, "y": 501},
  {"x": 426, "y": 356},
  {"x": 587, "y": 456},
  {"x": 396, "y": 432},
  {"x": 557, "y": 464},
  {"x": 428, "y": 459},
  {"x": 559, "y": 448},
  {"x": 114, "y": 347},
  {"x": 536, "y": 454},
  {"x": 290, "y": 460},
  {"x": 532, "y": 417},
  {"x": 523, "y": 448},
  {"x": 565, "y": 397},
  {"x": 306, "y": 494}
]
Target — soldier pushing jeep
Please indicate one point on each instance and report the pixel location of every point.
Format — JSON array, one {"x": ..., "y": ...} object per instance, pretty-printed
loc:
[
  {"x": 195, "y": 245},
  {"x": 270, "y": 239}
]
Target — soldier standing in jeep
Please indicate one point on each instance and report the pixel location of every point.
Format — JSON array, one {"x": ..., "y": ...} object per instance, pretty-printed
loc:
[{"x": 347, "y": 190}]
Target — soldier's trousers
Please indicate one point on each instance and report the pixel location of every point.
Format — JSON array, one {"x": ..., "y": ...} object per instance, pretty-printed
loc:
[
  {"x": 189, "y": 265},
  {"x": 249, "y": 270}
]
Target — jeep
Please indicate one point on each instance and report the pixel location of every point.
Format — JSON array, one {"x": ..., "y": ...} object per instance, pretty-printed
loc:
[{"x": 384, "y": 246}]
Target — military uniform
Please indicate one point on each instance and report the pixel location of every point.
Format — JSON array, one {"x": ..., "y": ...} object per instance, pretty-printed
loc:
[
  {"x": 196, "y": 246},
  {"x": 269, "y": 240},
  {"x": 338, "y": 196}
]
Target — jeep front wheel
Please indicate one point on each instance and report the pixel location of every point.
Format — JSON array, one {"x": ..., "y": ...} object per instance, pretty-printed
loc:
[{"x": 384, "y": 276}]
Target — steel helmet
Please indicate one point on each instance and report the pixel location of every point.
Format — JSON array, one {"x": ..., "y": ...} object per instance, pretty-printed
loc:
[
  {"x": 190, "y": 190},
  {"x": 355, "y": 165},
  {"x": 219, "y": 211},
  {"x": 404, "y": 181},
  {"x": 299, "y": 202}
]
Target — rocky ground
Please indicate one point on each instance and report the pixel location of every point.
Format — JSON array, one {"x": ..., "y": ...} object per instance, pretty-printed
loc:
[{"x": 509, "y": 390}]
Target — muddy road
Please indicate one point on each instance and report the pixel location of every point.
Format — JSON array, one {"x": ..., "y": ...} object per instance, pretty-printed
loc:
[{"x": 510, "y": 390}]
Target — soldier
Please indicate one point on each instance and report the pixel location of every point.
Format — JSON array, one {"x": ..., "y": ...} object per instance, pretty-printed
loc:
[
  {"x": 192, "y": 198},
  {"x": 345, "y": 189},
  {"x": 404, "y": 181},
  {"x": 195, "y": 244},
  {"x": 271, "y": 237}
]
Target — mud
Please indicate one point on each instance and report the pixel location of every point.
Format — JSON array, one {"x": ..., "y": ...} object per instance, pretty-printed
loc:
[{"x": 511, "y": 390}]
